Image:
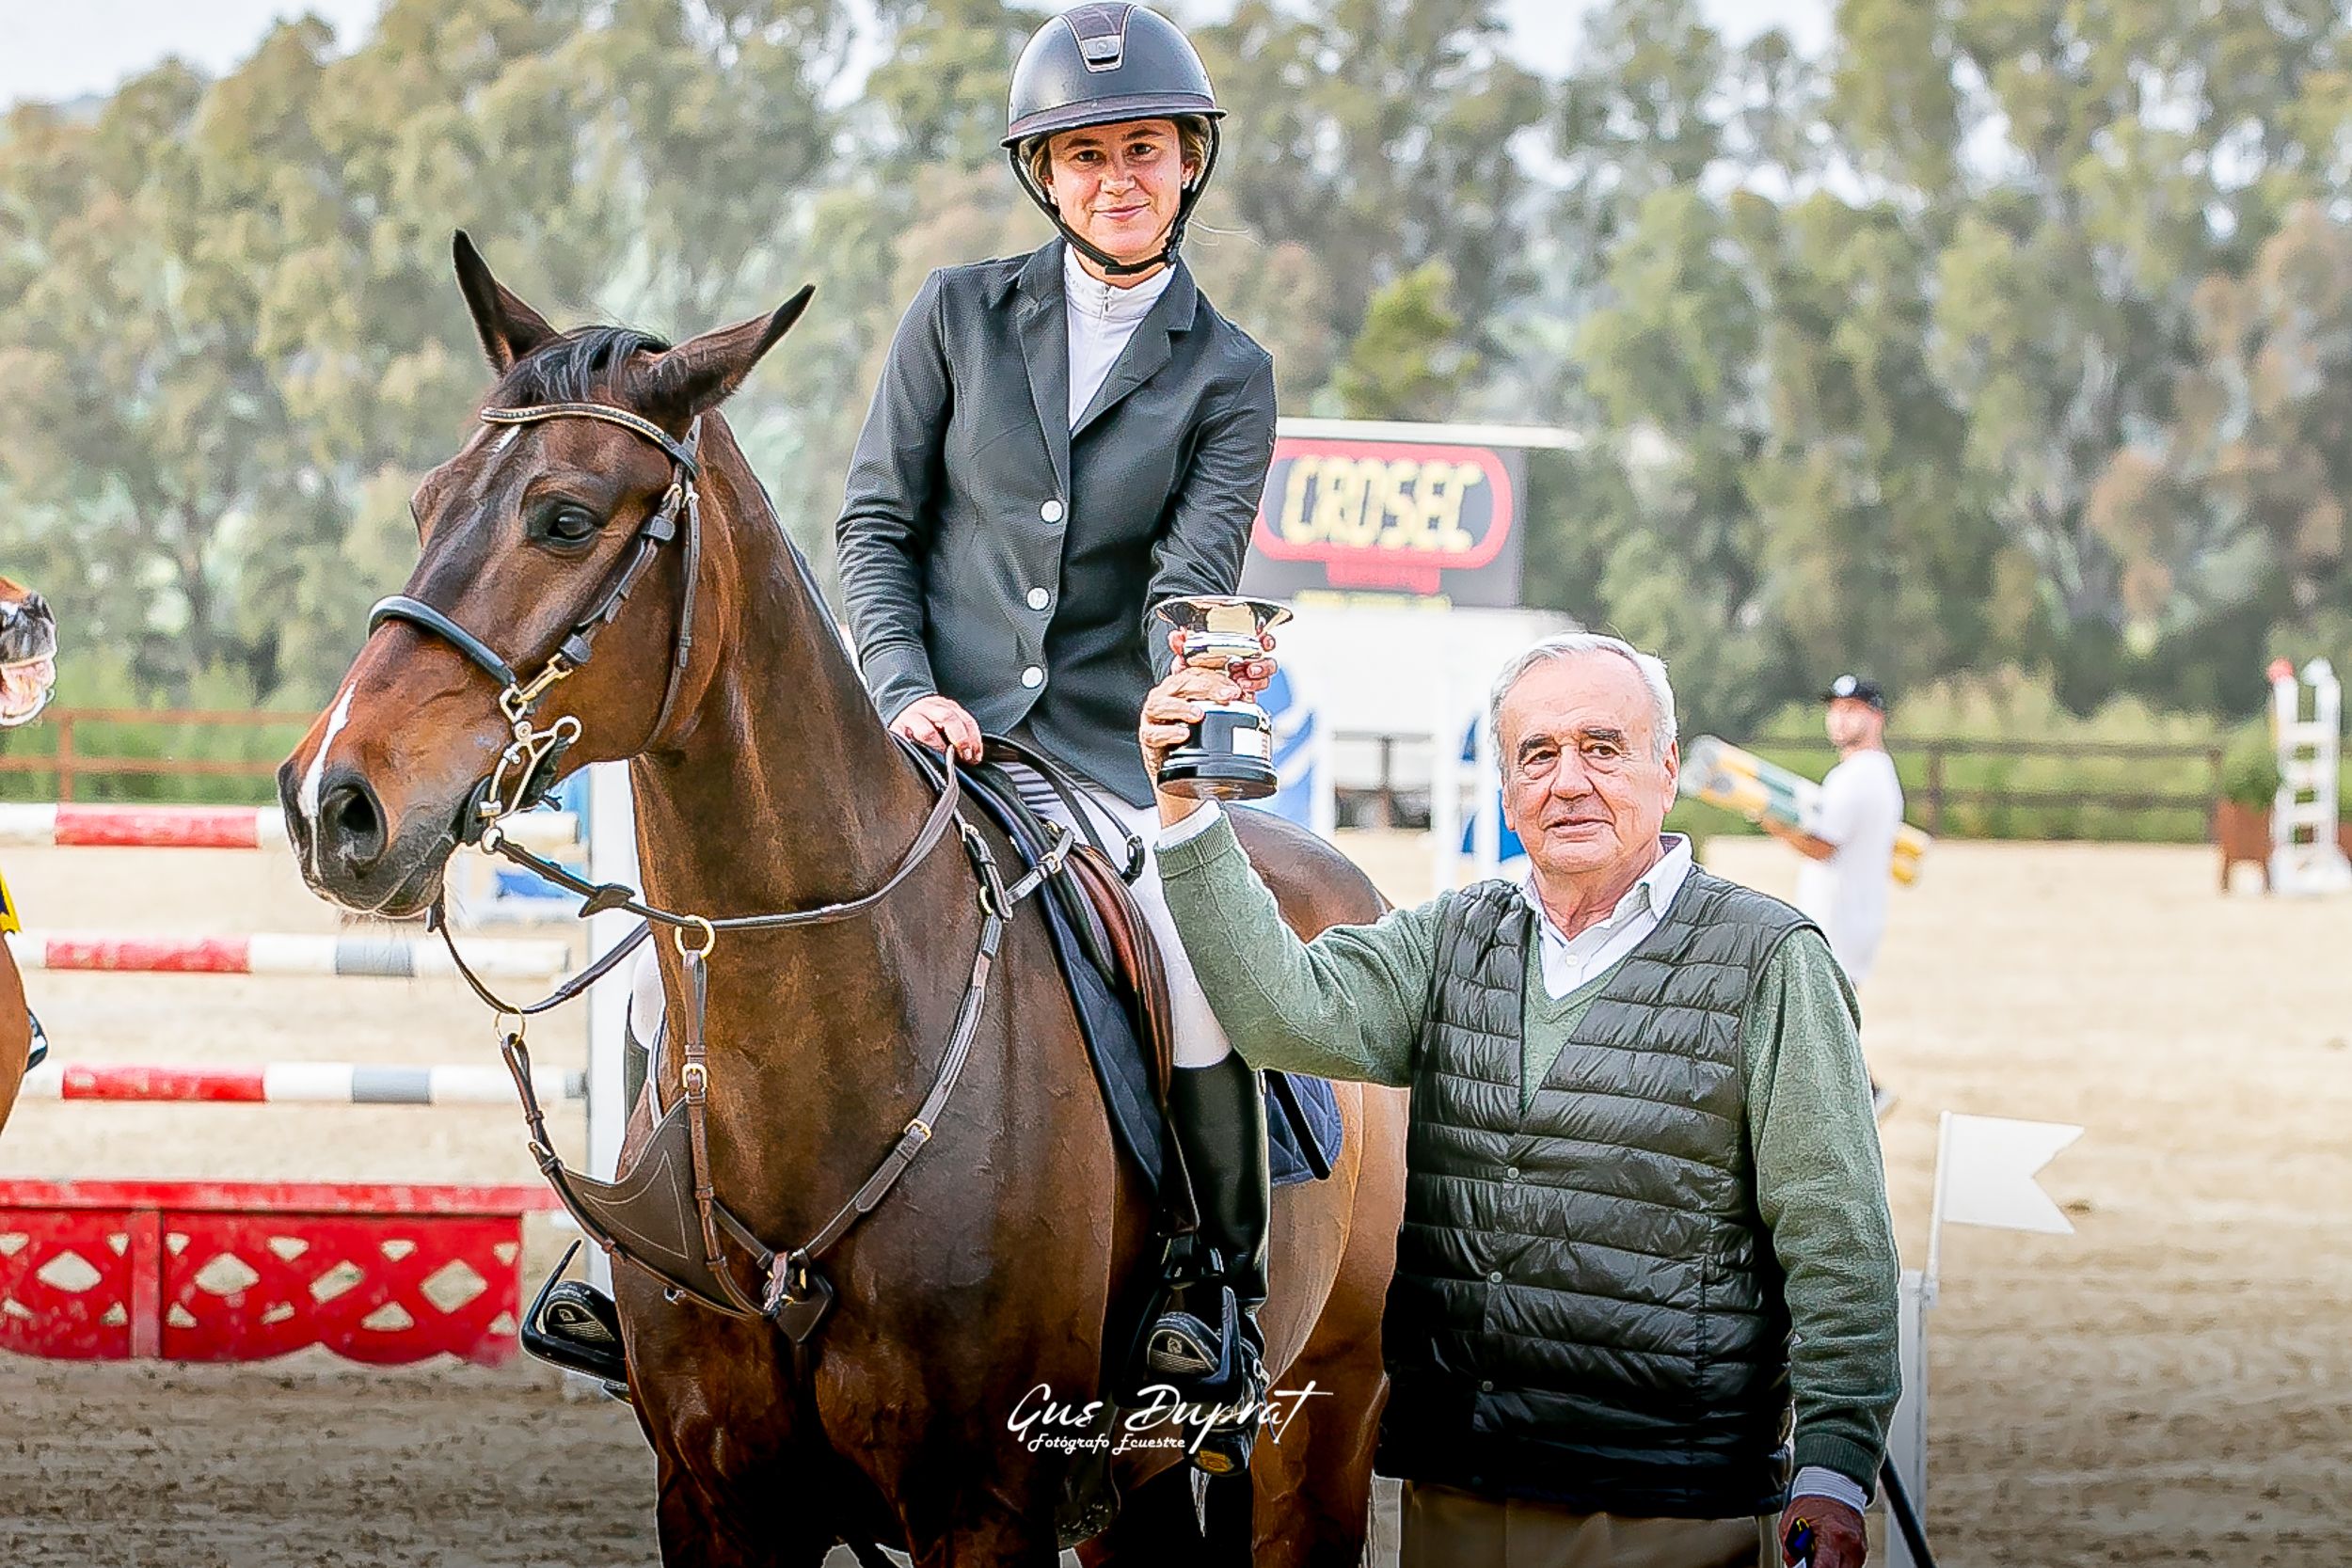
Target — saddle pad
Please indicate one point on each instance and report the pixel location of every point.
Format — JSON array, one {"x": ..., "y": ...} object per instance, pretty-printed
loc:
[
  {"x": 1113, "y": 1046},
  {"x": 1321, "y": 1108}
]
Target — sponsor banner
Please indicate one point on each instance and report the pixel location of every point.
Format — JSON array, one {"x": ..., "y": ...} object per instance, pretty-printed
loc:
[{"x": 1342, "y": 515}]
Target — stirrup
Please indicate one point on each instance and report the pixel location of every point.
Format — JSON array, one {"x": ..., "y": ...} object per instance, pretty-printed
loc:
[
  {"x": 573, "y": 1325},
  {"x": 40, "y": 1041},
  {"x": 1204, "y": 1356}
]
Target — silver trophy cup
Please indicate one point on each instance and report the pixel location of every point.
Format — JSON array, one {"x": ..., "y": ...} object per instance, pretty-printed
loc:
[{"x": 1230, "y": 755}]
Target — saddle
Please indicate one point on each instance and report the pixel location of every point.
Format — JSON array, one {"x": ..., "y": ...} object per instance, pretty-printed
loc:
[{"x": 1120, "y": 986}]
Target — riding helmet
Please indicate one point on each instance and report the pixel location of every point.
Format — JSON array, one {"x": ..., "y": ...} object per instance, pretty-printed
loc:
[{"x": 1104, "y": 64}]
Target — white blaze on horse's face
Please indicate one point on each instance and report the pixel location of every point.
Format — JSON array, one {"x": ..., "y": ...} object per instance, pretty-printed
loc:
[{"x": 309, "y": 796}]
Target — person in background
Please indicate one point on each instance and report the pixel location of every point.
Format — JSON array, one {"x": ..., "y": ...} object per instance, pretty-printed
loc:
[
  {"x": 1850, "y": 855},
  {"x": 1645, "y": 1216}
]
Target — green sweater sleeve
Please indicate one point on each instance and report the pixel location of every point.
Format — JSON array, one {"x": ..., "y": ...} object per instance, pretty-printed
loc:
[
  {"x": 1822, "y": 1192},
  {"x": 1347, "y": 1005}
]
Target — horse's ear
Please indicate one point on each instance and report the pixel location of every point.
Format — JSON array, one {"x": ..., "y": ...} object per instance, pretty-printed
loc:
[
  {"x": 508, "y": 328},
  {"x": 702, "y": 373}
]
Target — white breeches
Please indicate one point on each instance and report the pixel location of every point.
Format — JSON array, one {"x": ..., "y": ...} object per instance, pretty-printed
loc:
[{"x": 1200, "y": 1038}]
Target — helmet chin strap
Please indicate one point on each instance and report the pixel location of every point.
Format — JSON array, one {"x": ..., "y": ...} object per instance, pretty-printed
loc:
[{"x": 1110, "y": 265}]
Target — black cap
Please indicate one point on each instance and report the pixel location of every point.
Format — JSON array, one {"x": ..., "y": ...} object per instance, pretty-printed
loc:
[
  {"x": 1860, "y": 688},
  {"x": 1101, "y": 64}
]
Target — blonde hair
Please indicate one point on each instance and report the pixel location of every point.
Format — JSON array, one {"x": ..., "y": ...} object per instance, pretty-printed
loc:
[{"x": 1192, "y": 136}]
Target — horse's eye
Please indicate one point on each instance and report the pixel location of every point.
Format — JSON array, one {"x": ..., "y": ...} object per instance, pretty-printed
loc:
[{"x": 571, "y": 525}]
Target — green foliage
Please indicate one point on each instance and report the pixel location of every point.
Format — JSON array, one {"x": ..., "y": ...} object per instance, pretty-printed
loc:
[
  {"x": 2249, "y": 769},
  {"x": 100, "y": 680},
  {"x": 1967, "y": 716},
  {"x": 1407, "y": 362},
  {"x": 1997, "y": 335}
]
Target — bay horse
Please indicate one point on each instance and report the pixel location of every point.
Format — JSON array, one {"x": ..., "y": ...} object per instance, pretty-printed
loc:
[
  {"x": 978, "y": 1288},
  {"x": 29, "y": 672}
]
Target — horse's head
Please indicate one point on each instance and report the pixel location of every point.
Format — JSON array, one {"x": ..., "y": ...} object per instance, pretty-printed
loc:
[
  {"x": 28, "y": 654},
  {"x": 567, "y": 525}
]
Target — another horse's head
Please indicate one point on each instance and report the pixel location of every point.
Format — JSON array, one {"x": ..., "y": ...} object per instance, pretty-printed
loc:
[
  {"x": 563, "y": 528},
  {"x": 28, "y": 654}
]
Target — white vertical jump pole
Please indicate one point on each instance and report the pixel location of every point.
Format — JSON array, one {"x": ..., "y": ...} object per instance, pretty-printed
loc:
[
  {"x": 2305, "y": 856},
  {"x": 611, "y": 821},
  {"x": 1907, "y": 1434},
  {"x": 1445, "y": 791},
  {"x": 1324, "y": 798},
  {"x": 1486, "y": 808}
]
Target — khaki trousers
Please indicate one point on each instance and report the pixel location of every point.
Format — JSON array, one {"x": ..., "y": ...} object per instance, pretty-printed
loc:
[{"x": 1445, "y": 1528}]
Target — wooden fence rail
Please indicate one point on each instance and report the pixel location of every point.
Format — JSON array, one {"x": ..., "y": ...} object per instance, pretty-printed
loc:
[
  {"x": 71, "y": 760},
  {"x": 1382, "y": 794},
  {"x": 1387, "y": 784}
]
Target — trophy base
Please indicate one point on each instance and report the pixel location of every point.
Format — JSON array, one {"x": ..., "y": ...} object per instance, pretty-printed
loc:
[
  {"x": 1227, "y": 758},
  {"x": 1208, "y": 777}
]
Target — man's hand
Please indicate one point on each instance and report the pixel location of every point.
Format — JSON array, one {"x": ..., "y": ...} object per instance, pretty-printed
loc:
[
  {"x": 1169, "y": 711},
  {"x": 1839, "y": 1540},
  {"x": 1797, "y": 839},
  {"x": 941, "y": 724}
]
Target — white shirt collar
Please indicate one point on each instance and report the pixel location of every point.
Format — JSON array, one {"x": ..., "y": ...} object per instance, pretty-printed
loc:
[
  {"x": 1093, "y": 300},
  {"x": 1650, "y": 895}
]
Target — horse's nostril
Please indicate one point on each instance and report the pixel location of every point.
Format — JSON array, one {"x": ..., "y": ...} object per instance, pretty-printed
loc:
[{"x": 351, "y": 824}]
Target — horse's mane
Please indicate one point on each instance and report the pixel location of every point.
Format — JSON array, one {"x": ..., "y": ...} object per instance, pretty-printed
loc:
[{"x": 570, "y": 368}]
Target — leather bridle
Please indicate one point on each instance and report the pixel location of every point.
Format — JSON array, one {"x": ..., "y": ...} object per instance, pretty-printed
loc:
[
  {"x": 532, "y": 755},
  {"x": 642, "y": 1217}
]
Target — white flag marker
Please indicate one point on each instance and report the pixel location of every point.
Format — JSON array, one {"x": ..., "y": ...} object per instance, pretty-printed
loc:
[{"x": 1984, "y": 1174}]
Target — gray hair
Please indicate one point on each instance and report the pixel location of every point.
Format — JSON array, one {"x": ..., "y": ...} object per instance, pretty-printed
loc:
[{"x": 1568, "y": 644}]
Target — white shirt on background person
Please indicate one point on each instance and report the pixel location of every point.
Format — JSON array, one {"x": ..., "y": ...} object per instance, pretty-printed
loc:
[{"x": 1861, "y": 810}]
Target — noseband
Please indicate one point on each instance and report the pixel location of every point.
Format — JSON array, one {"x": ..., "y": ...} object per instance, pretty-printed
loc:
[{"x": 526, "y": 768}]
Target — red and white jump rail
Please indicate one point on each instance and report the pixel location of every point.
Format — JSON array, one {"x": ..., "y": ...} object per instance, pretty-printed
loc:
[
  {"x": 49, "y": 824},
  {"x": 380, "y": 955},
  {"x": 293, "y": 1082}
]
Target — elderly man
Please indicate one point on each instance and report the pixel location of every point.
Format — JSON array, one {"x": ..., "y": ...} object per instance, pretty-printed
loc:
[{"x": 1645, "y": 1210}]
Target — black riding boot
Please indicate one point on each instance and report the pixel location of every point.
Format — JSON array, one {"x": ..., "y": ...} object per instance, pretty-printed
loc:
[{"x": 1208, "y": 1342}]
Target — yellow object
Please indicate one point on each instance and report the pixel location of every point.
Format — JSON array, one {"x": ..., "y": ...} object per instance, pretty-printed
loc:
[
  {"x": 8, "y": 908},
  {"x": 1723, "y": 775}
]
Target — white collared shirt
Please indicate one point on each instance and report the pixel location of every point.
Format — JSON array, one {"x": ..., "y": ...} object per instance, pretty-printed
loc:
[
  {"x": 1570, "y": 961},
  {"x": 1101, "y": 318}
]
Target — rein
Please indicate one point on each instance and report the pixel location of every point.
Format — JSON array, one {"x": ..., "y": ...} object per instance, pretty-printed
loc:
[{"x": 642, "y": 1216}]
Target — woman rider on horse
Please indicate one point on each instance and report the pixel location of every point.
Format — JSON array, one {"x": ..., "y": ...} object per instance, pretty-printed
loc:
[{"x": 1060, "y": 442}]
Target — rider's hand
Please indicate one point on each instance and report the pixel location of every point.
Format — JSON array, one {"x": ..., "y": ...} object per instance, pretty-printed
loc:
[
  {"x": 941, "y": 724},
  {"x": 1253, "y": 677}
]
